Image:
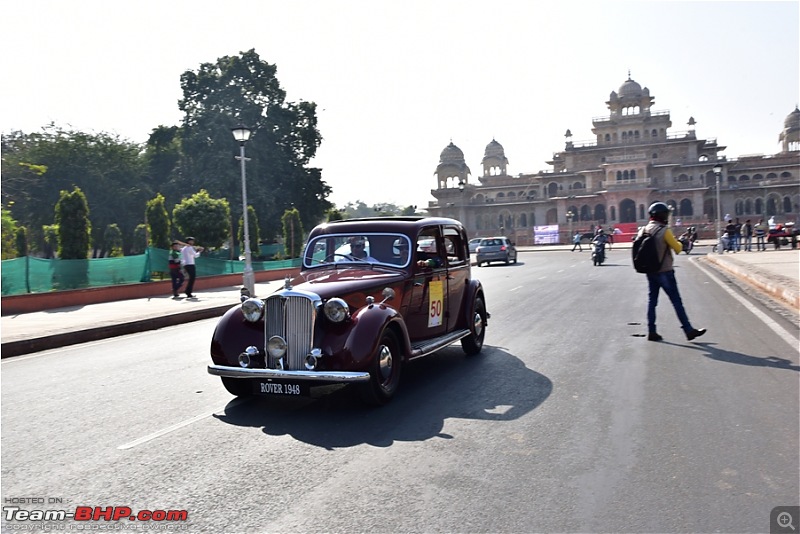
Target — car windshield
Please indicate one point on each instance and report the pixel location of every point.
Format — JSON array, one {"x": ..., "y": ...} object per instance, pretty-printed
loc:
[
  {"x": 344, "y": 249},
  {"x": 491, "y": 243}
]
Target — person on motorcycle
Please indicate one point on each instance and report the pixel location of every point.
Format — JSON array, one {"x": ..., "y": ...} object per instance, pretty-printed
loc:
[
  {"x": 599, "y": 247},
  {"x": 665, "y": 277}
]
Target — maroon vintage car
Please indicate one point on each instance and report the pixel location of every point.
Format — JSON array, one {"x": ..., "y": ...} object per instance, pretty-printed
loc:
[{"x": 372, "y": 295}]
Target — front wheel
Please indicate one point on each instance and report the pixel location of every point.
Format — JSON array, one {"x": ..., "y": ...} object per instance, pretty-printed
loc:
[
  {"x": 237, "y": 386},
  {"x": 473, "y": 343},
  {"x": 385, "y": 372}
]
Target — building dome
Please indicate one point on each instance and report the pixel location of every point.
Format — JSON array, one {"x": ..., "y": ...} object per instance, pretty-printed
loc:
[
  {"x": 451, "y": 154},
  {"x": 630, "y": 88},
  {"x": 792, "y": 121},
  {"x": 494, "y": 150}
]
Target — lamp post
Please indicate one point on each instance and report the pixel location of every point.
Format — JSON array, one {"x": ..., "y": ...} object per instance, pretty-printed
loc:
[
  {"x": 570, "y": 215},
  {"x": 718, "y": 173},
  {"x": 242, "y": 133}
]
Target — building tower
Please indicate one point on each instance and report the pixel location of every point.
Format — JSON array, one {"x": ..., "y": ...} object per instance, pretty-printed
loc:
[
  {"x": 452, "y": 169},
  {"x": 494, "y": 160},
  {"x": 790, "y": 136}
]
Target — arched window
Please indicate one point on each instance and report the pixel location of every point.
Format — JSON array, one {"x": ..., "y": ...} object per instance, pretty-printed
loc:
[
  {"x": 586, "y": 213},
  {"x": 771, "y": 176},
  {"x": 654, "y": 133},
  {"x": 786, "y": 174},
  {"x": 633, "y": 174},
  {"x": 748, "y": 206},
  {"x": 759, "y": 206},
  {"x": 739, "y": 207},
  {"x": 686, "y": 209},
  {"x": 731, "y": 178},
  {"x": 744, "y": 178},
  {"x": 787, "y": 205},
  {"x": 523, "y": 220},
  {"x": 772, "y": 208}
]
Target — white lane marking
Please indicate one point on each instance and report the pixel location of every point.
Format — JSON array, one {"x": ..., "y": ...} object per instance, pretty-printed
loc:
[
  {"x": 518, "y": 287},
  {"x": 167, "y": 430},
  {"x": 782, "y": 332}
]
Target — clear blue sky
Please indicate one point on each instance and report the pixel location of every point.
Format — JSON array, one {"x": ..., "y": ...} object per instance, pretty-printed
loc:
[{"x": 395, "y": 81}]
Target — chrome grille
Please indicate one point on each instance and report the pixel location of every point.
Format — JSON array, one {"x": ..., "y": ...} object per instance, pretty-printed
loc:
[{"x": 292, "y": 318}]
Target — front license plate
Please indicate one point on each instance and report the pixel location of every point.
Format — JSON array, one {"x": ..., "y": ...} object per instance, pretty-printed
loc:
[{"x": 276, "y": 388}]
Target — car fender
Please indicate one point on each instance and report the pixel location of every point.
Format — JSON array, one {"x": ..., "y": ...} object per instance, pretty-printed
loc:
[
  {"x": 233, "y": 330},
  {"x": 474, "y": 288},
  {"x": 359, "y": 343}
]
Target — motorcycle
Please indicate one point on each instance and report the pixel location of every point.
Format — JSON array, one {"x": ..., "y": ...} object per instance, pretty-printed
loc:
[
  {"x": 598, "y": 252},
  {"x": 687, "y": 243}
]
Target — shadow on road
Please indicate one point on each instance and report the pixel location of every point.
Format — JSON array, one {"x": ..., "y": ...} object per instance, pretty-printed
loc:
[
  {"x": 493, "y": 386},
  {"x": 738, "y": 358}
]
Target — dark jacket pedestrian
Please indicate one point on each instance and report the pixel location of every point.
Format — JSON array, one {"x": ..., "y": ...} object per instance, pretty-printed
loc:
[{"x": 175, "y": 271}]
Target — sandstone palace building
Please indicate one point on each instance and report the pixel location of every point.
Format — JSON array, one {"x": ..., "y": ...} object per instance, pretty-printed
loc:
[{"x": 633, "y": 161}]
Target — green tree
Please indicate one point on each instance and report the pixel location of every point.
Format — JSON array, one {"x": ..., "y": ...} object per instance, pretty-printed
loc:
[
  {"x": 205, "y": 218},
  {"x": 22, "y": 241},
  {"x": 9, "y": 227},
  {"x": 50, "y": 232},
  {"x": 139, "y": 239},
  {"x": 158, "y": 223},
  {"x": 284, "y": 139},
  {"x": 334, "y": 215},
  {"x": 112, "y": 241},
  {"x": 252, "y": 229},
  {"x": 292, "y": 233},
  {"x": 74, "y": 228},
  {"x": 110, "y": 172}
]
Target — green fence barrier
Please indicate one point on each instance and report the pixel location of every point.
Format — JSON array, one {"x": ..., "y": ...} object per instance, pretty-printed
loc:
[{"x": 37, "y": 275}]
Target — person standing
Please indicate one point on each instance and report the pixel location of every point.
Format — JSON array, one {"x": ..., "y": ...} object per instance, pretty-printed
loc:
[
  {"x": 576, "y": 242},
  {"x": 760, "y": 231},
  {"x": 747, "y": 232},
  {"x": 188, "y": 254},
  {"x": 175, "y": 271},
  {"x": 730, "y": 229},
  {"x": 665, "y": 277}
]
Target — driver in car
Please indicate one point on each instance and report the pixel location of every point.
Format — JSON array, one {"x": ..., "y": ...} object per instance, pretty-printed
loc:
[{"x": 358, "y": 251}]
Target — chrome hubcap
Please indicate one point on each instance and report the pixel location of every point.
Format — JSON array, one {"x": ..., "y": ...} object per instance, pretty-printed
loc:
[
  {"x": 385, "y": 363},
  {"x": 478, "y": 324}
]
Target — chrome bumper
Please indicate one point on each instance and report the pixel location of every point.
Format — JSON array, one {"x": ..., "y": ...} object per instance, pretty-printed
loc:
[{"x": 344, "y": 377}]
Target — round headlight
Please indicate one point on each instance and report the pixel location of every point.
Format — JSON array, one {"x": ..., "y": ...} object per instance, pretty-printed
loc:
[
  {"x": 276, "y": 346},
  {"x": 336, "y": 310},
  {"x": 251, "y": 309}
]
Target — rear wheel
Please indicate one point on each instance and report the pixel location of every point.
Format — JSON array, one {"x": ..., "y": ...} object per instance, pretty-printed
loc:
[
  {"x": 385, "y": 373},
  {"x": 473, "y": 343}
]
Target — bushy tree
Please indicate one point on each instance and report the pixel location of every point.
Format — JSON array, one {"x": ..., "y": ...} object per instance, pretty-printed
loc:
[
  {"x": 109, "y": 171},
  {"x": 9, "y": 228},
  {"x": 205, "y": 218},
  {"x": 112, "y": 241},
  {"x": 158, "y": 223},
  {"x": 74, "y": 228},
  {"x": 252, "y": 229},
  {"x": 50, "y": 232},
  {"x": 334, "y": 215},
  {"x": 292, "y": 233},
  {"x": 243, "y": 88},
  {"x": 21, "y": 239},
  {"x": 139, "y": 239}
]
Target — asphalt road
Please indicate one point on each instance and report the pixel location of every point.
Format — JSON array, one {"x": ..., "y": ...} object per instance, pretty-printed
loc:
[{"x": 569, "y": 421}]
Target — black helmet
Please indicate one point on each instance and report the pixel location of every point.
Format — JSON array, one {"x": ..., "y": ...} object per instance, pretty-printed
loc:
[{"x": 658, "y": 207}]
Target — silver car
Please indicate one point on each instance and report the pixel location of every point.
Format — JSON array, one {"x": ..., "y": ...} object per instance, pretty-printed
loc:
[
  {"x": 473, "y": 244},
  {"x": 496, "y": 249}
]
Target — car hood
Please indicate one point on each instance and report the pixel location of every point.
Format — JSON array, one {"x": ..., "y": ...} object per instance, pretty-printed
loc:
[{"x": 329, "y": 283}]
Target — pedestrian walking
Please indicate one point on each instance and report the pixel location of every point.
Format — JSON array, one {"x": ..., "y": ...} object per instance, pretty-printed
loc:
[
  {"x": 665, "y": 277},
  {"x": 576, "y": 242},
  {"x": 188, "y": 254},
  {"x": 760, "y": 231},
  {"x": 747, "y": 233},
  {"x": 175, "y": 271}
]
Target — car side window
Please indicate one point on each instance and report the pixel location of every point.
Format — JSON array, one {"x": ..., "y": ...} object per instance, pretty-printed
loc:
[{"x": 454, "y": 247}]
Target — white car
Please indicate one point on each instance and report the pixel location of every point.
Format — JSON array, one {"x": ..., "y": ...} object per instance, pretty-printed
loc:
[{"x": 473, "y": 245}]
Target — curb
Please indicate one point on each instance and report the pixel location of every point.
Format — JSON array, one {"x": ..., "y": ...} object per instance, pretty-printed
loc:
[
  {"x": 779, "y": 287},
  {"x": 27, "y": 346}
]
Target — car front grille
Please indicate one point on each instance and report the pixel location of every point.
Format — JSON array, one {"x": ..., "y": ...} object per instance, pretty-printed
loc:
[{"x": 292, "y": 318}]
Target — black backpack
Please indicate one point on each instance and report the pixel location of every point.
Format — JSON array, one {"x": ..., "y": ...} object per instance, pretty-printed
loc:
[{"x": 645, "y": 253}]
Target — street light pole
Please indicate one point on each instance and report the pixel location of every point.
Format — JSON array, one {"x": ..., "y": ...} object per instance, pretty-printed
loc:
[
  {"x": 242, "y": 133},
  {"x": 718, "y": 173},
  {"x": 570, "y": 215}
]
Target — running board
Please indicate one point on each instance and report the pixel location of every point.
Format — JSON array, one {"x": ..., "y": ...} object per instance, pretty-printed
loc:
[{"x": 429, "y": 346}]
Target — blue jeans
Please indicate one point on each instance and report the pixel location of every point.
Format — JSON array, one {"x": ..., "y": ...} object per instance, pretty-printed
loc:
[{"x": 667, "y": 282}]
